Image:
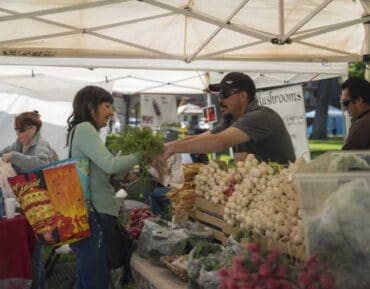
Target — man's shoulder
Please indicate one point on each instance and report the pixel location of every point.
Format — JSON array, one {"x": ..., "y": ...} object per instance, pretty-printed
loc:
[{"x": 259, "y": 111}]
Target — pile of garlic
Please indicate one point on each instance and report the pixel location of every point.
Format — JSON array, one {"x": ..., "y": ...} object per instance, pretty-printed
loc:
[
  {"x": 215, "y": 184},
  {"x": 266, "y": 202}
]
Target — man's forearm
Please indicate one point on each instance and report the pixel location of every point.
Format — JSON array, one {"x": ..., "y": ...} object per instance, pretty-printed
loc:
[{"x": 198, "y": 145}]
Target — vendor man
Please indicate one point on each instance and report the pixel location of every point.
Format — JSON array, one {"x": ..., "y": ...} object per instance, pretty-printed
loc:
[
  {"x": 257, "y": 129},
  {"x": 356, "y": 100}
]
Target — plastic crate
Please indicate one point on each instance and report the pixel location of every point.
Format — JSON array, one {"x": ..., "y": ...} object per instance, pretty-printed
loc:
[{"x": 334, "y": 196}]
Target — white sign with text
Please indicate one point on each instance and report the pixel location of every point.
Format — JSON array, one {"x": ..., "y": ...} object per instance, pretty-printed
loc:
[
  {"x": 288, "y": 102},
  {"x": 158, "y": 109}
]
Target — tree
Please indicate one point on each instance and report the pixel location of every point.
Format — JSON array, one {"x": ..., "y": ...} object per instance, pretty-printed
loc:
[
  {"x": 328, "y": 89},
  {"x": 357, "y": 69}
]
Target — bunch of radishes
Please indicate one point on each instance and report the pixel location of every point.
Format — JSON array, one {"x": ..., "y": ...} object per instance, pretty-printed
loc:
[
  {"x": 136, "y": 223},
  {"x": 254, "y": 269},
  {"x": 265, "y": 202}
]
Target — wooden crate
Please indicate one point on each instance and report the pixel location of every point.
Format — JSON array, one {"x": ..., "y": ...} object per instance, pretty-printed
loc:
[{"x": 211, "y": 215}]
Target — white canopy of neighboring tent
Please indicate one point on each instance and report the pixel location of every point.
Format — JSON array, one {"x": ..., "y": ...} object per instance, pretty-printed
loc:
[
  {"x": 332, "y": 111},
  {"x": 187, "y": 30},
  {"x": 189, "y": 108},
  {"x": 61, "y": 83}
]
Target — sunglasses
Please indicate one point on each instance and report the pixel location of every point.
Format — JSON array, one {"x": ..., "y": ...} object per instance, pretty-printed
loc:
[
  {"x": 346, "y": 103},
  {"x": 21, "y": 130},
  {"x": 226, "y": 93}
]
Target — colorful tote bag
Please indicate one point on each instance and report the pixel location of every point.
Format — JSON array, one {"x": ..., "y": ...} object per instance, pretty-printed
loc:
[{"x": 52, "y": 199}]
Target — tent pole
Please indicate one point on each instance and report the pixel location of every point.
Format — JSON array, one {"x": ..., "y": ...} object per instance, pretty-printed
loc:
[
  {"x": 209, "y": 101},
  {"x": 281, "y": 19},
  {"x": 305, "y": 20},
  {"x": 61, "y": 9},
  {"x": 212, "y": 20},
  {"x": 218, "y": 29},
  {"x": 367, "y": 49},
  {"x": 329, "y": 28}
]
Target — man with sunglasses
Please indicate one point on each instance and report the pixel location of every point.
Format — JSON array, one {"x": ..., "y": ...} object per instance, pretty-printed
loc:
[
  {"x": 247, "y": 126},
  {"x": 355, "y": 99}
]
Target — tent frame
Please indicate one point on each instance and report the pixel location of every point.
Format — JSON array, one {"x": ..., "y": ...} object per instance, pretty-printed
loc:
[{"x": 283, "y": 38}]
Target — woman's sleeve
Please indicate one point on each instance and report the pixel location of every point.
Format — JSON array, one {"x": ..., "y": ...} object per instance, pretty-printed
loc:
[
  {"x": 27, "y": 162},
  {"x": 7, "y": 149},
  {"x": 87, "y": 140}
]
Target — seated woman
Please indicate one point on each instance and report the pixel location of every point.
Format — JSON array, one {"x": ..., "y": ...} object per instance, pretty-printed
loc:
[{"x": 28, "y": 152}]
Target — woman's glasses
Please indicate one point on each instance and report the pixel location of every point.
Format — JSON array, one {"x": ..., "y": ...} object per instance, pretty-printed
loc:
[{"x": 22, "y": 129}]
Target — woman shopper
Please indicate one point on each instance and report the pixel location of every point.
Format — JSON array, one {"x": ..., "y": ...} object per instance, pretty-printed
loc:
[
  {"x": 92, "y": 109},
  {"x": 28, "y": 152}
]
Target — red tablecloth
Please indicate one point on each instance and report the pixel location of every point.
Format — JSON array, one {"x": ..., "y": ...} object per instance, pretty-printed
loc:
[{"x": 17, "y": 241}]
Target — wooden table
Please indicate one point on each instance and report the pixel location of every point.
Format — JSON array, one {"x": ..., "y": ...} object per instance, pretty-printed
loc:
[{"x": 148, "y": 276}]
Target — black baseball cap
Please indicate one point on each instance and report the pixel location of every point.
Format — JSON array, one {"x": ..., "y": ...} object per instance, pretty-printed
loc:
[{"x": 235, "y": 80}]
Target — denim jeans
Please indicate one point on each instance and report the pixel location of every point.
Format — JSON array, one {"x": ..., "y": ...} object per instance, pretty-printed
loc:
[
  {"x": 157, "y": 199},
  {"x": 38, "y": 269},
  {"x": 92, "y": 264}
]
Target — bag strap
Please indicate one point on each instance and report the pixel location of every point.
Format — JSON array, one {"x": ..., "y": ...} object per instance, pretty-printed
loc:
[
  {"x": 88, "y": 200},
  {"x": 70, "y": 142}
]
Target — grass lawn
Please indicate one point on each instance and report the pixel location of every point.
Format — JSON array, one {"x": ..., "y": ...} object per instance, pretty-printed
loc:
[{"x": 318, "y": 147}]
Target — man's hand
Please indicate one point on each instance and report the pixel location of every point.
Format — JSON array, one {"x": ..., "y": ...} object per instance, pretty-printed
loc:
[{"x": 7, "y": 157}]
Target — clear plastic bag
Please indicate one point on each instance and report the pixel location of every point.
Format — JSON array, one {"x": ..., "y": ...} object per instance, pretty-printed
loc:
[
  {"x": 198, "y": 232},
  {"x": 158, "y": 239},
  {"x": 208, "y": 280}
]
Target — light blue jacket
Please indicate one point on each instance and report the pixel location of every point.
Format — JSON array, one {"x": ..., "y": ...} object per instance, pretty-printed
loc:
[{"x": 39, "y": 153}]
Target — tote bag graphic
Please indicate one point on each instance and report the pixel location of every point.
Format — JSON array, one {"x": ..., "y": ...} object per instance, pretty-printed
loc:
[{"x": 52, "y": 198}]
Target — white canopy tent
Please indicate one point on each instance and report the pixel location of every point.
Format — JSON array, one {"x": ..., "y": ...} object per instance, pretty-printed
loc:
[
  {"x": 189, "y": 108},
  {"x": 61, "y": 83},
  {"x": 181, "y": 40},
  {"x": 187, "y": 30}
]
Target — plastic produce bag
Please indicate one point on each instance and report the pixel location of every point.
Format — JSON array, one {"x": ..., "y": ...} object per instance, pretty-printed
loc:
[
  {"x": 6, "y": 171},
  {"x": 198, "y": 232},
  {"x": 158, "y": 239},
  {"x": 204, "y": 261},
  {"x": 342, "y": 233},
  {"x": 208, "y": 279}
]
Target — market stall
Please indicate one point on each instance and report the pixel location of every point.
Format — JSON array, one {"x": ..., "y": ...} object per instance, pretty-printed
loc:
[{"x": 281, "y": 226}]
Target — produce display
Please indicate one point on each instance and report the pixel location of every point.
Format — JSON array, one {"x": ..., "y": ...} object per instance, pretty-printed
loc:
[
  {"x": 215, "y": 184},
  {"x": 158, "y": 238},
  {"x": 136, "y": 221},
  {"x": 260, "y": 197},
  {"x": 262, "y": 203},
  {"x": 256, "y": 269},
  {"x": 335, "y": 197},
  {"x": 178, "y": 265},
  {"x": 345, "y": 163},
  {"x": 204, "y": 262},
  {"x": 138, "y": 140},
  {"x": 341, "y": 233},
  {"x": 183, "y": 199}
]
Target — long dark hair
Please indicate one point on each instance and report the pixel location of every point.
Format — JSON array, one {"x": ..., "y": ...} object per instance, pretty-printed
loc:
[{"x": 85, "y": 103}]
